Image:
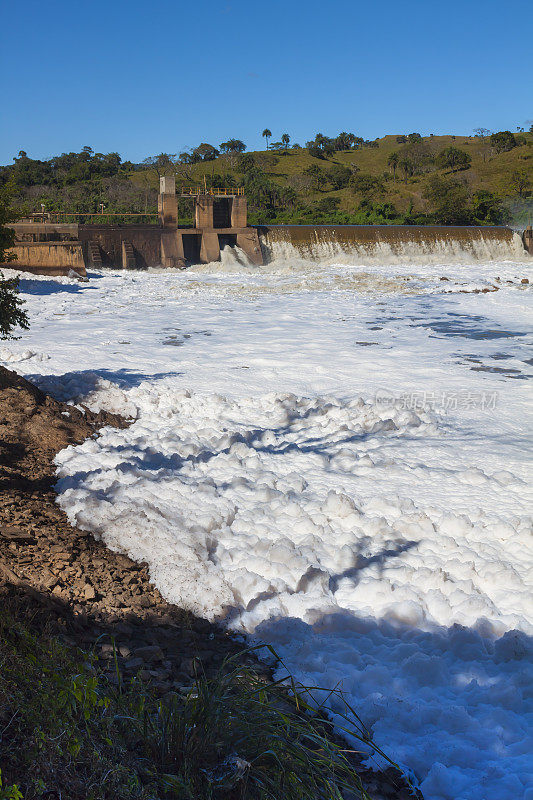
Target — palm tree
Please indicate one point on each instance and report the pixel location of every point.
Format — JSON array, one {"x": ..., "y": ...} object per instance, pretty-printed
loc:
[
  {"x": 267, "y": 134},
  {"x": 286, "y": 139},
  {"x": 392, "y": 161}
]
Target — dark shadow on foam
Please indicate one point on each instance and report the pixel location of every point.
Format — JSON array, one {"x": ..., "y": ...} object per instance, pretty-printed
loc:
[{"x": 57, "y": 385}]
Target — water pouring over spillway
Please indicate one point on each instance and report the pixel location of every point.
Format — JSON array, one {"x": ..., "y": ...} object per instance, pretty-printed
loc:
[{"x": 364, "y": 244}]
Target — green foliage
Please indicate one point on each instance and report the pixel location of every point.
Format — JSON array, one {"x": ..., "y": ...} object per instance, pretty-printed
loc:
[
  {"x": 324, "y": 146},
  {"x": 205, "y": 152},
  {"x": 63, "y": 170},
  {"x": 339, "y": 176},
  {"x": 393, "y": 161},
  {"x": 317, "y": 176},
  {"x": 11, "y": 312},
  {"x": 9, "y": 792},
  {"x": 232, "y": 146},
  {"x": 236, "y": 735},
  {"x": 267, "y": 135},
  {"x": 327, "y": 204},
  {"x": 367, "y": 185},
  {"x": 453, "y": 158},
  {"x": 503, "y": 141},
  {"x": 415, "y": 157},
  {"x": 449, "y": 199},
  {"x": 7, "y": 235},
  {"x": 253, "y": 741},
  {"x": 81, "y": 182},
  {"x": 520, "y": 181},
  {"x": 488, "y": 209}
]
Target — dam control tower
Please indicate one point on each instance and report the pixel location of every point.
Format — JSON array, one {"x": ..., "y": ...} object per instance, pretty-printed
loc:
[
  {"x": 220, "y": 219},
  {"x": 46, "y": 244}
]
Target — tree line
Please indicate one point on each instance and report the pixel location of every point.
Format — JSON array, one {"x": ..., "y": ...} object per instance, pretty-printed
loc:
[{"x": 85, "y": 181}]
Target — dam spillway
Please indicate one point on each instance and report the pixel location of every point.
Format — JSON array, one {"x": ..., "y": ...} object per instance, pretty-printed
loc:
[
  {"x": 390, "y": 243},
  {"x": 48, "y": 246}
]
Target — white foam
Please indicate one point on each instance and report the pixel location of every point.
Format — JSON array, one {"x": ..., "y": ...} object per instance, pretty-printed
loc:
[{"x": 282, "y": 475}]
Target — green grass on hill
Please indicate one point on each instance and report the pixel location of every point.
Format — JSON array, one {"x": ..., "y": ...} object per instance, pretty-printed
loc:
[
  {"x": 295, "y": 186},
  {"x": 489, "y": 172}
]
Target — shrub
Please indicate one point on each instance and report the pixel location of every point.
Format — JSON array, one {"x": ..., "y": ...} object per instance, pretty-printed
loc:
[
  {"x": 453, "y": 158},
  {"x": 11, "y": 313},
  {"x": 339, "y": 176},
  {"x": 327, "y": 204},
  {"x": 503, "y": 141},
  {"x": 449, "y": 199}
]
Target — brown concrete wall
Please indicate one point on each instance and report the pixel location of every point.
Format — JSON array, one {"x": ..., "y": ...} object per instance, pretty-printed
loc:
[
  {"x": 145, "y": 239},
  {"x": 239, "y": 213},
  {"x": 49, "y": 230},
  {"x": 210, "y": 250},
  {"x": 249, "y": 242},
  {"x": 527, "y": 238},
  {"x": 48, "y": 258},
  {"x": 172, "y": 249},
  {"x": 167, "y": 207},
  {"x": 204, "y": 211}
]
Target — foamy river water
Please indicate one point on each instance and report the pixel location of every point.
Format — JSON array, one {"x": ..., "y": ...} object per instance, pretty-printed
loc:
[{"x": 334, "y": 459}]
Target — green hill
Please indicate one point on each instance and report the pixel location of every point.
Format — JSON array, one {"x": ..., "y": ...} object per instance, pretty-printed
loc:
[{"x": 445, "y": 179}]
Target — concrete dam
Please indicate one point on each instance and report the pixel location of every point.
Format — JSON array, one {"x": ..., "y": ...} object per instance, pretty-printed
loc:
[{"x": 52, "y": 247}]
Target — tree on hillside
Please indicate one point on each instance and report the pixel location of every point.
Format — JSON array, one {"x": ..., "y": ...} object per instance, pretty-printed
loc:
[
  {"x": 267, "y": 134},
  {"x": 327, "y": 204},
  {"x": 392, "y": 162},
  {"x": 246, "y": 162},
  {"x": 414, "y": 137},
  {"x": 368, "y": 185},
  {"x": 11, "y": 313},
  {"x": 285, "y": 139},
  {"x": 520, "y": 181},
  {"x": 419, "y": 154},
  {"x": 317, "y": 176},
  {"x": 488, "y": 209},
  {"x": 205, "y": 152},
  {"x": 503, "y": 141},
  {"x": 449, "y": 200},
  {"x": 344, "y": 141},
  {"x": 321, "y": 146},
  {"x": 482, "y": 133},
  {"x": 453, "y": 158},
  {"x": 339, "y": 176},
  {"x": 162, "y": 164},
  {"x": 232, "y": 146},
  {"x": 407, "y": 167}
]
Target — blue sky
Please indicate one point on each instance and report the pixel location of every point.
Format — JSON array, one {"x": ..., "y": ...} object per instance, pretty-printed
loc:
[{"x": 143, "y": 77}]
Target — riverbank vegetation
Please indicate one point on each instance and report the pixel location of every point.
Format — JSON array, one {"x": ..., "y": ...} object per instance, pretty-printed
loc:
[
  {"x": 485, "y": 179},
  {"x": 68, "y": 731}
]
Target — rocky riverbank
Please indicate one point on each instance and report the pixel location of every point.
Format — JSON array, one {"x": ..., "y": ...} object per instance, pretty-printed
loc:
[{"x": 108, "y": 594}]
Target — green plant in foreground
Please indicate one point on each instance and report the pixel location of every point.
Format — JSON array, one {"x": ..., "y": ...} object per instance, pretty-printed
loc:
[
  {"x": 69, "y": 730},
  {"x": 239, "y": 736},
  {"x": 11, "y": 312},
  {"x": 9, "y": 792}
]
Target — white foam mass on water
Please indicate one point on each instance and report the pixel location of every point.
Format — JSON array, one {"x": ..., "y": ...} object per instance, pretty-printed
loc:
[{"x": 326, "y": 460}]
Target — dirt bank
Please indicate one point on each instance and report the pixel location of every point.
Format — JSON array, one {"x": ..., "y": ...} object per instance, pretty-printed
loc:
[{"x": 107, "y": 593}]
